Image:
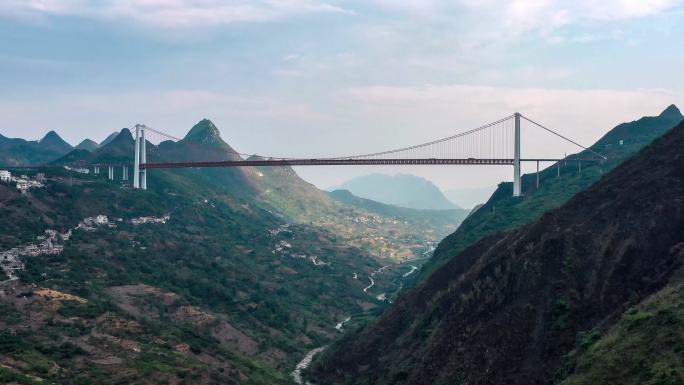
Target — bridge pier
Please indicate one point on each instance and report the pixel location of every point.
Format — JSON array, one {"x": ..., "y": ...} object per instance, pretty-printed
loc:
[
  {"x": 140, "y": 176},
  {"x": 516, "y": 158},
  {"x": 143, "y": 159}
]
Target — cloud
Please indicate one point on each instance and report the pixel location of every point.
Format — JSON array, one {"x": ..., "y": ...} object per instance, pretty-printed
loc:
[
  {"x": 549, "y": 15},
  {"x": 172, "y": 13},
  {"x": 584, "y": 114},
  {"x": 171, "y": 111}
]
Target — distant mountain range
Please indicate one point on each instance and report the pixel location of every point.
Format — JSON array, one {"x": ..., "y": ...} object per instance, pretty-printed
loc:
[
  {"x": 20, "y": 152},
  {"x": 402, "y": 190},
  {"x": 438, "y": 218}
]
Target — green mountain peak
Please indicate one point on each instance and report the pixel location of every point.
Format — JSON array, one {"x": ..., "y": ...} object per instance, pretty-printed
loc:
[
  {"x": 672, "y": 112},
  {"x": 88, "y": 145},
  {"x": 204, "y": 132},
  {"x": 53, "y": 142}
]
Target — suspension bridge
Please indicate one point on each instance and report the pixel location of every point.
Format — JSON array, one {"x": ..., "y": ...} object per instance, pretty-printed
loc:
[{"x": 496, "y": 143}]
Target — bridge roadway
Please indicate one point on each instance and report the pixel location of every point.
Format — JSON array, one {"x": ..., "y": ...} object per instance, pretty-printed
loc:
[{"x": 347, "y": 162}]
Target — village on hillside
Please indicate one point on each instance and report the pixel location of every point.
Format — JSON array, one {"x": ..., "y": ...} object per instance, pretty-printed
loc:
[{"x": 23, "y": 182}]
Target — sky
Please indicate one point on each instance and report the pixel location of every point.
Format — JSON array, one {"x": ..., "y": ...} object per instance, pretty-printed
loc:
[{"x": 312, "y": 78}]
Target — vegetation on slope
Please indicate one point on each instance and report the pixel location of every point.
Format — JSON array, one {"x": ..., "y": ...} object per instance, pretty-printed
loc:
[
  {"x": 644, "y": 347},
  {"x": 215, "y": 254},
  {"x": 260, "y": 297}
]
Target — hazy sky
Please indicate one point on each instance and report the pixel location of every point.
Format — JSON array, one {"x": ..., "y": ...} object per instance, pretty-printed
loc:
[{"x": 316, "y": 77}]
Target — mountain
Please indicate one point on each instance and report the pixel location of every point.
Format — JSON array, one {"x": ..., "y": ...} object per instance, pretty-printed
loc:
[
  {"x": 205, "y": 133},
  {"x": 87, "y": 145},
  {"x": 445, "y": 220},
  {"x": 20, "y": 152},
  {"x": 119, "y": 150},
  {"x": 253, "y": 268},
  {"x": 590, "y": 292},
  {"x": 400, "y": 190},
  {"x": 278, "y": 189},
  {"x": 228, "y": 288},
  {"x": 53, "y": 142},
  {"x": 109, "y": 138},
  {"x": 502, "y": 211}
]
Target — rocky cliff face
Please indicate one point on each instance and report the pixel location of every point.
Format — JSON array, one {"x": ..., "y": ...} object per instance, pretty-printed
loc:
[{"x": 510, "y": 307}]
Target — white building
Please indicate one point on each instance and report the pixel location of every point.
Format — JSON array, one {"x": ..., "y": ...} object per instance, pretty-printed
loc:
[
  {"x": 79, "y": 170},
  {"x": 5, "y": 176},
  {"x": 22, "y": 184}
]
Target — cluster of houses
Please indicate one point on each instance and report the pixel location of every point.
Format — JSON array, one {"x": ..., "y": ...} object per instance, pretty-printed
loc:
[
  {"x": 279, "y": 229},
  {"x": 369, "y": 219},
  {"x": 92, "y": 223},
  {"x": 373, "y": 219},
  {"x": 143, "y": 220},
  {"x": 51, "y": 242},
  {"x": 284, "y": 247},
  {"x": 79, "y": 170},
  {"x": 24, "y": 183}
]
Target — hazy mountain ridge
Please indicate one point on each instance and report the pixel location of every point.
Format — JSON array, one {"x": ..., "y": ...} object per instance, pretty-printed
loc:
[
  {"x": 403, "y": 190},
  {"x": 510, "y": 307},
  {"x": 447, "y": 219}
]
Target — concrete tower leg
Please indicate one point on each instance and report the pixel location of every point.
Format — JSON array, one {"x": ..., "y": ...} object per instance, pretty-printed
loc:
[
  {"x": 517, "y": 190},
  {"x": 136, "y": 161},
  {"x": 143, "y": 159}
]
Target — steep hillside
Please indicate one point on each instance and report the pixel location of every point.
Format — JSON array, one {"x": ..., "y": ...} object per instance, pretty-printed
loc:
[
  {"x": 220, "y": 291},
  {"x": 502, "y": 211},
  {"x": 232, "y": 276},
  {"x": 278, "y": 190},
  {"x": 512, "y": 306},
  {"x": 109, "y": 138},
  {"x": 403, "y": 190}
]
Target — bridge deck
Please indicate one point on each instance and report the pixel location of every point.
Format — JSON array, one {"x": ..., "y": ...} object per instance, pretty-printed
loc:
[{"x": 346, "y": 162}]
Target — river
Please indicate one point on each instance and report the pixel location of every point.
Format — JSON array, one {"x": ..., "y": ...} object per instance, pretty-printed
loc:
[{"x": 303, "y": 364}]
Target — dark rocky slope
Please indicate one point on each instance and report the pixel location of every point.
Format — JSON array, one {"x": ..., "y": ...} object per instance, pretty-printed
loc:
[{"x": 509, "y": 308}]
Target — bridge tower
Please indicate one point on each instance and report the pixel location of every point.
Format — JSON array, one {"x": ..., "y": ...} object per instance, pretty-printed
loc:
[
  {"x": 516, "y": 160},
  {"x": 139, "y": 176}
]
